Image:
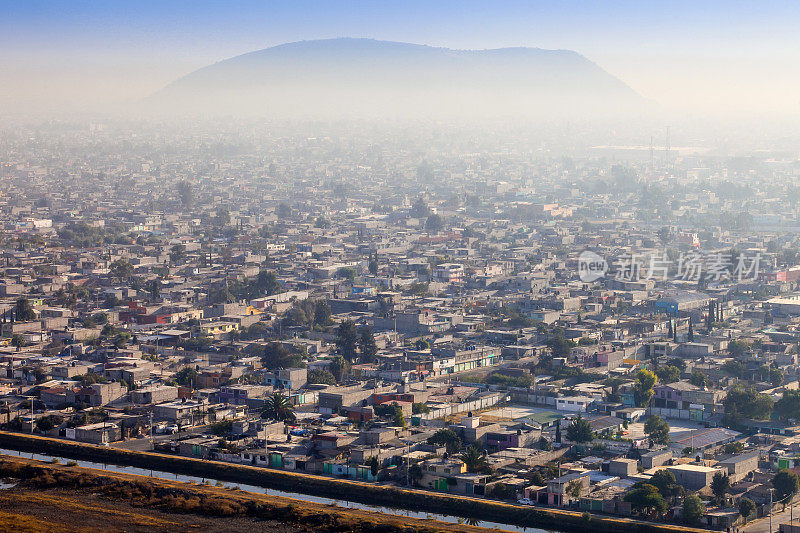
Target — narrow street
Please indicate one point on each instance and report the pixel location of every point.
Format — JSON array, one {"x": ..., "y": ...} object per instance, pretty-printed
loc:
[{"x": 761, "y": 525}]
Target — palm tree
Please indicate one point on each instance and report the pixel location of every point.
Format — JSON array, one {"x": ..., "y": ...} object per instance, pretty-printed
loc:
[
  {"x": 278, "y": 408},
  {"x": 474, "y": 459},
  {"x": 18, "y": 341}
]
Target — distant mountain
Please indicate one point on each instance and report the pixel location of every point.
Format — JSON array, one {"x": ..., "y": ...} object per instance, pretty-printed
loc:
[{"x": 363, "y": 77}]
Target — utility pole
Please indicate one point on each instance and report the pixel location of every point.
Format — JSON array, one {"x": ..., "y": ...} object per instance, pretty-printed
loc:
[
  {"x": 408, "y": 462},
  {"x": 770, "y": 509}
]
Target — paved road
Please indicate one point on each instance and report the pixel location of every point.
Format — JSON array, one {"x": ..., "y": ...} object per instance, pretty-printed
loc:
[{"x": 762, "y": 524}]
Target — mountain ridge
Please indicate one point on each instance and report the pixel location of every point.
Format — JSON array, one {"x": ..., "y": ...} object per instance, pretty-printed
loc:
[{"x": 383, "y": 77}]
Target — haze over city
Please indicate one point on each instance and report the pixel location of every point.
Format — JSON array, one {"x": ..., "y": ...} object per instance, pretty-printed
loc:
[
  {"x": 708, "y": 58},
  {"x": 395, "y": 267}
]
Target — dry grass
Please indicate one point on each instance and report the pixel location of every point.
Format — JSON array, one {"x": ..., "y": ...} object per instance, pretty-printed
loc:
[{"x": 109, "y": 501}]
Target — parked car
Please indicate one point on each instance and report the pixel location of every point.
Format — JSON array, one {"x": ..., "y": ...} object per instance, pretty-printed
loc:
[{"x": 525, "y": 501}]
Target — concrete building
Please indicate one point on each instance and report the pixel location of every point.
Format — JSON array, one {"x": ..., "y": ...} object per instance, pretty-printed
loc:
[
  {"x": 655, "y": 458},
  {"x": 693, "y": 477},
  {"x": 739, "y": 466},
  {"x": 288, "y": 378},
  {"x": 154, "y": 394},
  {"x": 100, "y": 433},
  {"x": 623, "y": 467},
  {"x": 178, "y": 411}
]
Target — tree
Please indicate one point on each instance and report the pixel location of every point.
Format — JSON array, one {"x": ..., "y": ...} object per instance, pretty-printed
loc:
[
  {"x": 284, "y": 211},
  {"x": 177, "y": 253},
  {"x": 447, "y": 438},
  {"x": 321, "y": 376},
  {"x": 45, "y": 423},
  {"x": 373, "y": 465},
  {"x": 746, "y": 508},
  {"x": 366, "y": 345},
  {"x": 786, "y": 484},
  {"x": 422, "y": 344},
  {"x": 373, "y": 266},
  {"x": 223, "y": 427},
  {"x": 733, "y": 448},
  {"x": 347, "y": 273},
  {"x": 223, "y": 295},
  {"x": 266, "y": 282},
  {"x": 415, "y": 473},
  {"x": 155, "y": 289},
  {"x": 434, "y": 224},
  {"x": 789, "y": 405},
  {"x": 720, "y": 484},
  {"x": 693, "y": 509},
  {"x": 669, "y": 374},
  {"x": 23, "y": 311},
  {"x": 643, "y": 387},
  {"x": 419, "y": 209},
  {"x": 275, "y": 355},
  {"x": 710, "y": 315},
  {"x": 347, "y": 340},
  {"x": 322, "y": 313},
  {"x": 339, "y": 367},
  {"x": 665, "y": 482},
  {"x": 475, "y": 460},
  {"x": 734, "y": 368},
  {"x": 614, "y": 395},
  {"x": 18, "y": 341},
  {"x": 559, "y": 345},
  {"x": 657, "y": 429},
  {"x": 398, "y": 419},
  {"x": 645, "y": 498},
  {"x": 186, "y": 193},
  {"x": 417, "y": 289},
  {"x": 90, "y": 378},
  {"x": 698, "y": 379},
  {"x": 121, "y": 339},
  {"x": 574, "y": 489},
  {"x": 222, "y": 217},
  {"x": 579, "y": 430},
  {"x": 278, "y": 407},
  {"x": 121, "y": 270},
  {"x": 186, "y": 377},
  {"x": 690, "y": 336},
  {"x": 419, "y": 407},
  {"x": 737, "y": 348},
  {"x": 747, "y": 402},
  {"x": 679, "y": 363},
  {"x": 298, "y": 314}
]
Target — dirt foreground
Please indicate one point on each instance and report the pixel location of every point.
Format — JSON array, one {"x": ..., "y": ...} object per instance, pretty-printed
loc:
[{"x": 50, "y": 497}]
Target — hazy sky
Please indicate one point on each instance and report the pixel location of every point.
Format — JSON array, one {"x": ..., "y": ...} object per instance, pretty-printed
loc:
[{"x": 720, "y": 56}]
